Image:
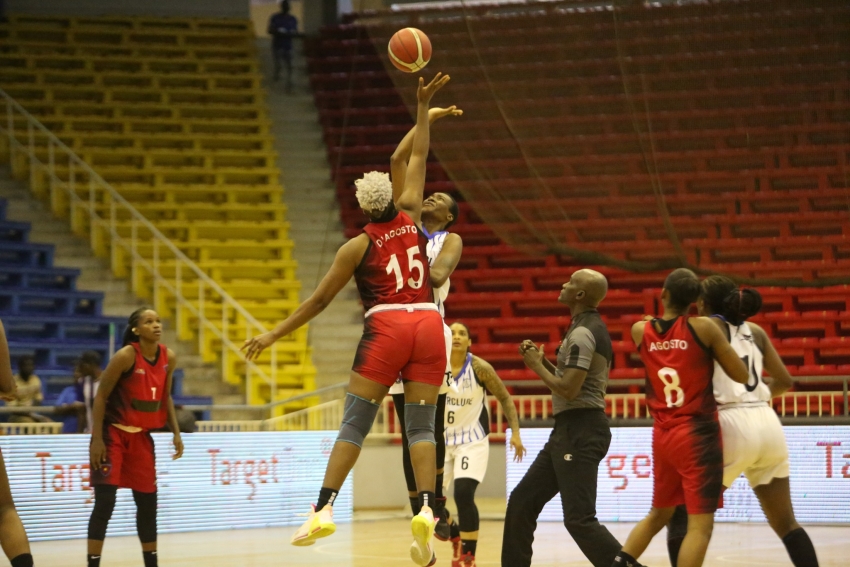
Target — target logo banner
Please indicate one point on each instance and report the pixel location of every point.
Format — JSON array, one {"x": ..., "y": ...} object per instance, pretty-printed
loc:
[
  {"x": 820, "y": 477},
  {"x": 223, "y": 481}
]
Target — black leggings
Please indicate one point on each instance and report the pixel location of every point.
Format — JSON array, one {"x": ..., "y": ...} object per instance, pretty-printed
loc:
[
  {"x": 104, "y": 504},
  {"x": 439, "y": 437},
  {"x": 467, "y": 511}
]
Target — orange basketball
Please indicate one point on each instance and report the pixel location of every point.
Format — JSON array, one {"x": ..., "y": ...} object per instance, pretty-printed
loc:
[{"x": 410, "y": 50}]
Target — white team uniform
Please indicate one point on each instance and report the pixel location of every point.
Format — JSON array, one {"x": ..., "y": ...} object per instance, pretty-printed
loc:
[
  {"x": 435, "y": 245},
  {"x": 467, "y": 426},
  {"x": 753, "y": 441}
]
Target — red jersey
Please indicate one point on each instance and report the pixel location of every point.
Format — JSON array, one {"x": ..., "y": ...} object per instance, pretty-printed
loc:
[
  {"x": 137, "y": 399},
  {"x": 679, "y": 371},
  {"x": 394, "y": 269}
]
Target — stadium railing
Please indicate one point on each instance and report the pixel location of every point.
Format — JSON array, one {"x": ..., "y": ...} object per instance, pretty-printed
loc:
[
  {"x": 124, "y": 253},
  {"x": 30, "y": 428}
]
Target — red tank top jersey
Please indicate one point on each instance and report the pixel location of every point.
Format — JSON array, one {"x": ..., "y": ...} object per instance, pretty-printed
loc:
[
  {"x": 394, "y": 269},
  {"x": 679, "y": 371},
  {"x": 137, "y": 399}
]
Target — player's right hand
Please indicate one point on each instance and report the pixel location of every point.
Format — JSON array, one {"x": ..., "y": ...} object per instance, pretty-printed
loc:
[
  {"x": 425, "y": 92},
  {"x": 436, "y": 113},
  {"x": 97, "y": 453},
  {"x": 256, "y": 345}
]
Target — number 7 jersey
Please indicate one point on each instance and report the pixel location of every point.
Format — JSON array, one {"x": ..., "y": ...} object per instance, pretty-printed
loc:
[
  {"x": 394, "y": 269},
  {"x": 679, "y": 371}
]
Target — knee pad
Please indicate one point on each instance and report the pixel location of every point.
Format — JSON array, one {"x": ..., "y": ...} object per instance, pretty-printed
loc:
[
  {"x": 357, "y": 419},
  {"x": 145, "y": 515},
  {"x": 420, "y": 421},
  {"x": 467, "y": 511},
  {"x": 104, "y": 504}
]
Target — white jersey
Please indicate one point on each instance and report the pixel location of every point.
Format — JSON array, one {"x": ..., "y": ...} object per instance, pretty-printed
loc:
[
  {"x": 755, "y": 391},
  {"x": 467, "y": 419},
  {"x": 432, "y": 250}
]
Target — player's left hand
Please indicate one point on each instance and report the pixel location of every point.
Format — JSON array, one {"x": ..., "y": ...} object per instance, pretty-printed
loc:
[
  {"x": 532, "y": 355},
  {"x": 178, "y": 447},
  {"x": 519, "y": 448},
  {"x": 256, "y": 345},
  {"x": 436, "y": 113},
  {"x": 425, "y": 92}
]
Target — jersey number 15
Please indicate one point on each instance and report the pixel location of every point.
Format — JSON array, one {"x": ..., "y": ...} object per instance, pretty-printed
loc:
[{"x": 413, "y": 264}]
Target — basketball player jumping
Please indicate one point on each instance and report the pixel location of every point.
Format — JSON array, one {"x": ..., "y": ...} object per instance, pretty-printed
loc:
[
  {"x": 467, "y": 437},
  {"x": 13, "y": 537},
  {"x": 687, "y": 459},
  {"x": 753, "y": 441},
  {"x": 134, "y": 397},
  {"x": 401, "y": 334},
  {"x": 439, "y": 212}
]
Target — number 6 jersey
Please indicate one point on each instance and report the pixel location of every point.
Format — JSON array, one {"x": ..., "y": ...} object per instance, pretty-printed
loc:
[{"x": 679, "y": 371}]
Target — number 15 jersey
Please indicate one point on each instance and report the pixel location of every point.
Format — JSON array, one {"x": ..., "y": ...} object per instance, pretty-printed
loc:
[
  {"x": 394, "y": 269},
  {"x": 679, "y": 371}
]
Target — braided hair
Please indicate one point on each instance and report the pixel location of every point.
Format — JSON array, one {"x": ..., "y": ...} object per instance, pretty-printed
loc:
[{"x": 723, "y": 297}]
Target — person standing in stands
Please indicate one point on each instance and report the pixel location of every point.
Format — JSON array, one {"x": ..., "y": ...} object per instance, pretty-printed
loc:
[
  {"x": 29, "y": 391},
  {"x": 75, "y": 401},
  {"x": 679, "y": 353},
  {"x": 133, "y": 398},
  {"x": 13, "y": 536},
  {"x": 753, "y": 440},
  {"x": 283, "y": 26},
  {"x": 569, "y": 462}
]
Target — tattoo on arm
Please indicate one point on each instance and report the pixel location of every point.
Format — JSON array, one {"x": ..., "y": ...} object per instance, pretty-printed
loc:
[{"x": 487, "y": 374}]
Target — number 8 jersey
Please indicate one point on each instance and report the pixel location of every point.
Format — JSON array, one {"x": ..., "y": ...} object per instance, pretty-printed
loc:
[
  {"x": 394, "y": 269},
  {"x": 679, "y": 371}
]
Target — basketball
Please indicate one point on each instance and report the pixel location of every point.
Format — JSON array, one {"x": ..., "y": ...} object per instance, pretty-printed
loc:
[{"x": 410, "y": 50}]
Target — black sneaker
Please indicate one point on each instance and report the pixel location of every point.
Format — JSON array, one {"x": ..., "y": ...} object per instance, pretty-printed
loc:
[{"x": 442, "y": 531}]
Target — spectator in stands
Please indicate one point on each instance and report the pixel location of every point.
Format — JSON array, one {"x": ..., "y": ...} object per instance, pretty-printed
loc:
[
  {"x": 283, "y": 26},
  {"x": 75, "y": 402},
  {"x": 13, "y": 537},
  {"x": 28, "y": 391}
]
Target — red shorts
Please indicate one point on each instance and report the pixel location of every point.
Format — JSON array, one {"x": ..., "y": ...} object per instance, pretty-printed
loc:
[
  {"x": 130, "y": 460},
  {"x": 688, "y": 466},
  {"x": 402, "y": 342}
]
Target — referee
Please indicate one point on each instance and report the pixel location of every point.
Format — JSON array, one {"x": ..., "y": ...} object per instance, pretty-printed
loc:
[{"x": 569, "y": 462}]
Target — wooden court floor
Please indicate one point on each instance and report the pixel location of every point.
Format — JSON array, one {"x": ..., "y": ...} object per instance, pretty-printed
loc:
[{"x": 382, "y": 539}]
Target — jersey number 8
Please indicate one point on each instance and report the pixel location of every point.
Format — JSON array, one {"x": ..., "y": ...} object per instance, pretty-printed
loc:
[
  {"x": 670, "y": 378},
  {"x": 393, "y": 267}
]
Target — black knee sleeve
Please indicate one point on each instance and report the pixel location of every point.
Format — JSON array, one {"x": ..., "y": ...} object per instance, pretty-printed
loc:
[
  {"x": 467, "y": 511},
  {"x": 409, "y": 478},
  {"x": 104, "y": 504},
  {"x": 145, "y": 515},
  {"x": 440, "y": 431}
]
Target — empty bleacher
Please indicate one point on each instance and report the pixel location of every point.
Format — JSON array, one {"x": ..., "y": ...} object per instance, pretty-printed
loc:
[
  {"x": 738, "y": 113},
  {"x": 171, "y": 113}
]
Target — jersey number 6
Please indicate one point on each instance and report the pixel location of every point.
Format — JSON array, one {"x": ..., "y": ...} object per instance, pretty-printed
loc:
[{"x": 393, "y": 267}]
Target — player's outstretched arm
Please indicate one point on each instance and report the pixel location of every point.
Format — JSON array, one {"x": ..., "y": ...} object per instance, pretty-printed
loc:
[
  {"x": 345, "y": 263},
  {"x": 122, "y": 362},
  {"x": 714, "y": 339},
  {"x": 487, "y": 374},
  {"x": 412, "y": 193},
  {"x": 781, "y": 380},
  {"x": 400, "y": 157},
  {"x": 447, "y": 260}
]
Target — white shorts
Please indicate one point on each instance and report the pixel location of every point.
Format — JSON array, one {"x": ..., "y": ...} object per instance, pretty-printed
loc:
[
  {"x": 398, "y": 386},
  {"x": 467, "y": 460},
  {"x": 753, "y": 444}
]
